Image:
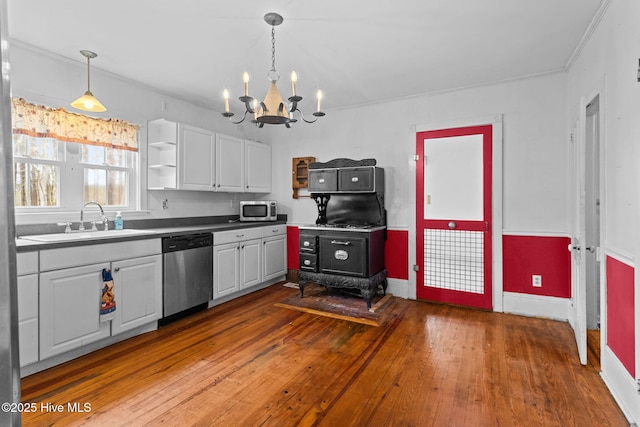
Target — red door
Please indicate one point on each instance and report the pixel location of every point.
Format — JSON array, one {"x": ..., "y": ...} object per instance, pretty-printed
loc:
[{"x": 453, "y": 216}]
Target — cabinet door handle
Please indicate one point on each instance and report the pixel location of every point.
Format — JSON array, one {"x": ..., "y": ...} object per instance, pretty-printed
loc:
[
  {"x": 116, "y": 269},
  {"x": 337, "y": 242}
]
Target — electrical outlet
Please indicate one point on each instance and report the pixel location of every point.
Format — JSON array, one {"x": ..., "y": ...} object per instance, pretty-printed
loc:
[
  {"x": 165, "y": 204},
  {"x": 536, "y": 281}
]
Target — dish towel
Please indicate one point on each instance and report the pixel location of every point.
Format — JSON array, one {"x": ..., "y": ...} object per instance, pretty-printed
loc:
[{"x": 108, "y": 302}]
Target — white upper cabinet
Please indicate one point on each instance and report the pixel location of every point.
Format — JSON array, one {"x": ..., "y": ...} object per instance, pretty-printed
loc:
[
  {"x": 196, "y": 158},
  {"x": 257, "y": 167},
  {"x": 230, "y": 163},
  {"x": 186, "y": 157}
]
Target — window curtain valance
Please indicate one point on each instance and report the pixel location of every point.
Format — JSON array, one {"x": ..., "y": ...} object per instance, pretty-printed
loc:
[{"x": 44, "y": 122}]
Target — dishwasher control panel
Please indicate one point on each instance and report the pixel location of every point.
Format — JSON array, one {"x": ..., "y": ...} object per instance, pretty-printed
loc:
[{"x": 184, "y": 242}]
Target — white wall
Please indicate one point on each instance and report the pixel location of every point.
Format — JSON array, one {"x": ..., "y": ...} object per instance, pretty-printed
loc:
[
  {"x": 608, "y": 65},
  {"x": 54, "y": 81},
  {"x": 535, "y": 190},
  {"x": 535, "y": 148}
]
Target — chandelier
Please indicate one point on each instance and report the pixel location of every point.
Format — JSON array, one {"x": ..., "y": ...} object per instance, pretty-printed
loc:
[{"x": 272, "y": 110}]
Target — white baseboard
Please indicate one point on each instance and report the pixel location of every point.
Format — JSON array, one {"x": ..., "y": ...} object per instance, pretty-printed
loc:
[
  {"x": 399, "y": 288},
  {"x": 536, "y": 306},
  {"x": 622, "y": 386}
]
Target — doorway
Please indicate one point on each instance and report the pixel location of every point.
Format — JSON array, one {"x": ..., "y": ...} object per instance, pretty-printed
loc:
[
  {"x": 453, "y": 216},
  {"x": 592, "y": 229}
]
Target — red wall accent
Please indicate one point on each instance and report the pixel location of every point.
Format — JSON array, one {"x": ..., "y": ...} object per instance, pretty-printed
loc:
[
  {"x": 396, "y": 254},
  {"x": 524, "y": 256},
  {"x": 293, "y": 245},
  {"x": 396, "y": 258},
  {"x": 620, "y": 313}
]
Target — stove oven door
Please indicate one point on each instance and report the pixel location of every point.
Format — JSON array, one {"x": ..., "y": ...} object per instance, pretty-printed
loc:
[{"x": 345, "y": 255}]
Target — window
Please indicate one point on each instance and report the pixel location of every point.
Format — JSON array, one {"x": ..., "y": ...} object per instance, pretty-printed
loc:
[
  {"x": 63, "y": 160},
  {"x": 37, "y": 166}
]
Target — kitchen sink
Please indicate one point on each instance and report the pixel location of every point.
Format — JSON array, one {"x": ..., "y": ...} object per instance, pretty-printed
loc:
[{"x": 85, "y": 235}]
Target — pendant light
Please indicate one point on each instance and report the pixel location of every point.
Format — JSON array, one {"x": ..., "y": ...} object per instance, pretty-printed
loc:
[{"x": 88, "y": 102}]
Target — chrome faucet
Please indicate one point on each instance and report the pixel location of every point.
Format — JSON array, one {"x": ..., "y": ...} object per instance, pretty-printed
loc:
[{"x": 103, "y": 217}]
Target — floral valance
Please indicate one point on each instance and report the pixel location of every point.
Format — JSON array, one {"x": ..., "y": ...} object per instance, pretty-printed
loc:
[{"x": 44, "y": 122}]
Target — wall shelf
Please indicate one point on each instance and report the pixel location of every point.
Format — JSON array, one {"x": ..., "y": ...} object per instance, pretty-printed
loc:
[{"x": 300, "y": 174}]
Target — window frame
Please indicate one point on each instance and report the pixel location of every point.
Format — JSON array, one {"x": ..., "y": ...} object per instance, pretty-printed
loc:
[{"x": 71, "y": 197}]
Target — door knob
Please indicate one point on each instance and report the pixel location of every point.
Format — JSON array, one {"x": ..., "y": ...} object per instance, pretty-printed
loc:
[
  {"x": 591, "y": 249},
  {"x": 452, "y": 225}
]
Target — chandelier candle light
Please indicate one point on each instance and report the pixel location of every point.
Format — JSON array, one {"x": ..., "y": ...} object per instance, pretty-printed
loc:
[{"x": 272, "y": 110}]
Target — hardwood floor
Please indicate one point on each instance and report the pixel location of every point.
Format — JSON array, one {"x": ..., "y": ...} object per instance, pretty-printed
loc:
[
  {"x": 593, "y": 348},
  {"x": 249, "y": 363}
]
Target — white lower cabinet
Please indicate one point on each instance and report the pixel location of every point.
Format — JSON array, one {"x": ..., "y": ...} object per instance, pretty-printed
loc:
[
  {"x": 70, "y": 309},
  {"x": 138, "y": 287},
  {"x": 274, "y": 255},
  {"x": 250, "y": 257},
  {"x": 247, "y": 257},
  {"x": 237, "y": 256},
  {"x": 226, "y": 275},
  {"x": 28, "y": 307},
  {"x": 71, "y": 283},
  {"x": 28, "y": 318}
]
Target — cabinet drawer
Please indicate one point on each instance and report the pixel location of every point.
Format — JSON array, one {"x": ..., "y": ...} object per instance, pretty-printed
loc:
[
  {"x": 308, "y": 262},
  {"x": 27, "y": 263},
  {"x": 356, "y": 179},
  {"x": 274, "y": 230},
  {"x": 28, "y": 331},
  {"x": 308, "y": 243},
  {"x": 323, "y": 180},
  {"x": 27, "y": 297},
  {"x": 75, "y": 256},
  {"x": 231, "y": 236}
]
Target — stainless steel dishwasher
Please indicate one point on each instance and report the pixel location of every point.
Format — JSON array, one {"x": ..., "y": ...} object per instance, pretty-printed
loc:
[{"x": 187, "y": 272}]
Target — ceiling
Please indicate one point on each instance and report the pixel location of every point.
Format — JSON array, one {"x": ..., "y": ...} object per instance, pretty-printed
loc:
[{"x": 356, "y": 52}]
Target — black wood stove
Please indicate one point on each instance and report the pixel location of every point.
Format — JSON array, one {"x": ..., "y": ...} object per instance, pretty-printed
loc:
[{"x": 345, "y": 248}]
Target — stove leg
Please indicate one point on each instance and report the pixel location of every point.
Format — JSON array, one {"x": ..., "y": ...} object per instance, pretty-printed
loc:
[
  {"x": 301, "y": 285},
  {"x": 367, "y": 294},
  {"x": 384, "y": 287}
]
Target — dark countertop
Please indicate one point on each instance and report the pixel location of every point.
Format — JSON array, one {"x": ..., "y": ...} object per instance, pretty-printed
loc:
[
  {"x": 330, "y": 227},
  {"x": 24, "y": 245}
]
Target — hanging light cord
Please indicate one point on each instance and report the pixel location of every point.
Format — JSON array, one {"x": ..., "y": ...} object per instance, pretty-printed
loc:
[
  {"x": 88, "y": 75},
  {"x": 273, "y": 48}
]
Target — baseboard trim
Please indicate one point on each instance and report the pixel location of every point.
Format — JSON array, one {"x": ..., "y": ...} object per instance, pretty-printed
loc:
[
  {"x": 621, "y": 385},
  {"x": 536, "y": 306},
  {"x": 399, "y": 288}
]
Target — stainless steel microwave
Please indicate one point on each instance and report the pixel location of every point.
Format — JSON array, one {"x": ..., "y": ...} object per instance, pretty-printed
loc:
[{"x": 258, "y": 210}]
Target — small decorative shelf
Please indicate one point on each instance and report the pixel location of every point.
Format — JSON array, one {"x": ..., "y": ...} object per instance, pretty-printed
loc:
[
  {"x": 162, "y": 138},
  {"x": 300, "y": 174}
]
